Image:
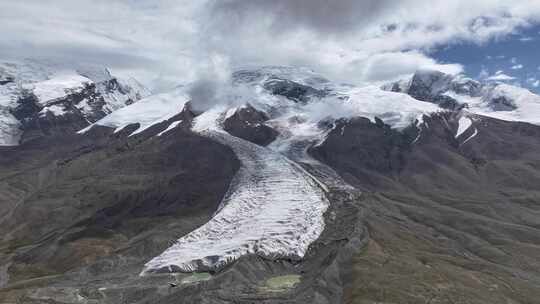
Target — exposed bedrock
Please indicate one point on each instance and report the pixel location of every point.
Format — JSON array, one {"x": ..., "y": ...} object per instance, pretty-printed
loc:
[
  {"x": 99, "y": 205},
  {"x": 120, "y": 200},
  {"x": 294, "y": 91},
  {"x": 248, "y": 123},
  {"x": 450, "y": 219},
  {"x": 448, "y": 212}
]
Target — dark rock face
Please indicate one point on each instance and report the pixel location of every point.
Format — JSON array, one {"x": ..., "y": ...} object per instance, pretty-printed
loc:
[
  {"x": 292, "y": 90},
  {"x": 468, "y": 87},
  {"x": 427, "y": 84},
  {"x": 27, "y": 107},
  {"x": 86, "y": 207},
  {"x": 502, "y": 103},
  {"x": 447, "y": 102},
  {"x": 376, "y": 146},
  {"x": 248, "y": 123},
  {"x": 6, "y": 80},
  {"x": 432, "y": 86},
  {"x": 462, "y": 216},
  {"x": 37, "y": 121}
]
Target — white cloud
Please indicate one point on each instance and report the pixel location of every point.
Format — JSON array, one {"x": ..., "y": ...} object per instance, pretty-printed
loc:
[
  {"x": 500, "y": 77},
  {"x": 391, "y": 65},
  {"x": 533, "y": 82},
  {"x": 517, "y": 67},
  {"x": 170, "y": 41}
]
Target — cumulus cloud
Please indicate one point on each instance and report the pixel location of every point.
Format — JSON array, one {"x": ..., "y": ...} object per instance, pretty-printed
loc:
[
  {"x": 384, "y": 66},
  {"x": 500, "y": 76},
  {"x": 321, "y": 16},
  {"x": 165, "y": 42},
  {"x": 534, "y": 82},
  {"x": 213, "y": 85}
]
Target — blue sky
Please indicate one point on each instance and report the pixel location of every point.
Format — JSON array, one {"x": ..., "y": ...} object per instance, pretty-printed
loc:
[{"x": 516, "y": 55}]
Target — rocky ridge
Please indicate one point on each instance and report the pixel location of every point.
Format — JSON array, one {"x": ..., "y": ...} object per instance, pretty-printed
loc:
[{"x": 428, "y": 200}]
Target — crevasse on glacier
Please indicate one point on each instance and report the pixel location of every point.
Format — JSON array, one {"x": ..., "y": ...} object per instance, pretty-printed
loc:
[{"x": 273, "y": 209}]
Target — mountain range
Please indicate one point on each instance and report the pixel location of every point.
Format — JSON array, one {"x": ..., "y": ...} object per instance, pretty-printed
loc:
[{"x": 279, "y": 187}]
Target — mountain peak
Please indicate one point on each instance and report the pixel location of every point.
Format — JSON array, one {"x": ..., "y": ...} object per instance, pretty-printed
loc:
[
  {"x": 498, "y": 100},
  {"x": 32, "y": 93}
]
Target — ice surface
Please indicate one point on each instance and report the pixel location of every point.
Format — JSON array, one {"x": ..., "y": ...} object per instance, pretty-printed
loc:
[
  {"x": 396, "y": 109},
  {"x": 10, "y": 127},
  {"x": 526, "y": 104},
  {"x": 128, "y": 90},
  {"x": 146, "y": 112},
  {"x": 273, "y": 209},
  {"x": 173, "y": 125},
  {"x": 10, "y": 132},
  {"x": 59, "y": 87}
]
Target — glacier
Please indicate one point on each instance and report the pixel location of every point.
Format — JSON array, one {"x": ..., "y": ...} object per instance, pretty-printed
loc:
[{"x": 273, "y": 209}]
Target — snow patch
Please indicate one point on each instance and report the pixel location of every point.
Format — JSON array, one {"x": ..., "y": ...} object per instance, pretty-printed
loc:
[
  {"x": 464, "y": 124},
  {"x": 10, "y": 128},
  {"x": 173, "y": 125},
  {"x": 398, "y": 110},
  {"x": 471, "y": 137},
  {"x": 525, "y": 104},
  {"x": 59, "y": 87},
  {"x": 146, "y": 112},
  {"x": 56, "y": 110}
]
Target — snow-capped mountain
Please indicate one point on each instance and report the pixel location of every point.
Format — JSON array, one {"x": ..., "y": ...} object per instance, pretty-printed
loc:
[
  {"x": 34, "y": 96},
  {"x": 287, "y": 187},
  {"x": 303, "y": 108},
  {"x": 498, "y": 100}
]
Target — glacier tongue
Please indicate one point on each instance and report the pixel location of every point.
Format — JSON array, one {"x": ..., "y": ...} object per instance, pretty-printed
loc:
[{"x": 273, "y": 209}]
